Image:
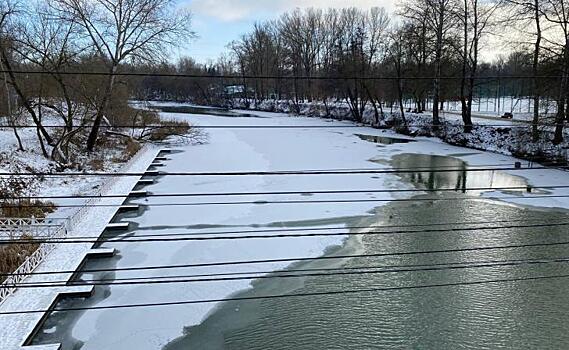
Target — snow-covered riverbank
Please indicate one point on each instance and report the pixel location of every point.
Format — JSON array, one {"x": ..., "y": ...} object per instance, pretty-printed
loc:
[
  {"x": 31, "y": 160},
  {"x": 16, "y": 328},
  {"x": 256, "y": 149},
  {"x": 499, "y": 136}
]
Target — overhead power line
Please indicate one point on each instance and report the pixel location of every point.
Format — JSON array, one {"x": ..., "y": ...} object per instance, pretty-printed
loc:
[
  {"x": 283, "y": 296},
  {"x": 344, "y": 268},
  {"x": 315, "y": 192},
  {"x": 277, "y": 173},
  {"x": 526, "y": 124},
  {"x": 299, "y": 259},
  {"x": 287, "y": 202},
  {"x": 306, "y": 229},
  {"x": 318, "y": 229},
  {"x": 206, "y": 237},
  {"x": 184, "y": 279},
  {"x": 449, "y": 168},
  {"x": 273, "y": 77}
]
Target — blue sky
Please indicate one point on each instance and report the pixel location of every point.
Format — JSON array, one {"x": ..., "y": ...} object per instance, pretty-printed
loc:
[{"x": 218, "y": 22}]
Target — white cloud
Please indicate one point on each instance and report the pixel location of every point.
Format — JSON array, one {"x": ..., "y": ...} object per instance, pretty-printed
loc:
[{"x": 235, "y": 10}]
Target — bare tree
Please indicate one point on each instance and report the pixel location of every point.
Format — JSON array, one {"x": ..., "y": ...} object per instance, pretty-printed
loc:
[
  {"x": 396, "y": 55},
  {"x": 556, "y": 12},
  {"x": 7, "y": 10},
  {"x": 440, "y": 18},
  {"x": 52, "y": 46},
  {"x": 8, "y": 43},
  {"x": 377, "y": 23},
  {"x": 476, "y": 17},
  {"x": 120, "y": 30},
  {"x": 527, "y": 12},
  {"x": 302, "y": 34}
]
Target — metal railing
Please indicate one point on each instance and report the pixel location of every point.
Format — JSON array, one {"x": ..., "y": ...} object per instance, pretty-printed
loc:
[
  {"x": 45, "y": 228},
  {"x": 18, "y": 227},
  {"x": 78, "y": 216},
  {"x": 9, "y": 286}
]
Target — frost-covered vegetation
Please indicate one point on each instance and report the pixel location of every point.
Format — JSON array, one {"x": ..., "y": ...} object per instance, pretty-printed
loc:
[
  {"x": 59, "y": 61},
  {"x": 63, "y": 106},
  {"x": 509, "y": 139},
  {"x": 13, "y": 255},
  {"x": 434, "y": 53}
]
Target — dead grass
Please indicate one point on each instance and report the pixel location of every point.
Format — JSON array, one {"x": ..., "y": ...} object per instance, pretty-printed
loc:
[
  {"x": 97, "y": 164},
  {"x": 170, "y": 128},
  {"x": 14, "y": 255},
  {"x": 131, "y": 147},
  {"x": 25, "y": 208},
  {"x": 13, "y": 201}
]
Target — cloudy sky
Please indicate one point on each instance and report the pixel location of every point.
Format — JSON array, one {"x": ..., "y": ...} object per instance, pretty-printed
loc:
[{"x": 217, "y": 22}]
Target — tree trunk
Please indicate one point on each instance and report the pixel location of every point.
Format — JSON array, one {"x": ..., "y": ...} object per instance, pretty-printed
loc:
[
  {"x": 373, "y": 103},
  {"x": 40, "y": 117},
  {"x": 9, "y": 104},
  {"x": 93, "y": 136},
  {"x": 563, "y": 96},
  {"x": 464, "y": 101},
  {"x": 400, "y": 97},
  {"x": 438, "y": 66},
  {"x": 436, "y": 102},
  {"x": 473, "y": 70},
  {"x": 536, "y": 89},
  {"x": 22, "y": 95},
  {"x": 559, "y": 122}
]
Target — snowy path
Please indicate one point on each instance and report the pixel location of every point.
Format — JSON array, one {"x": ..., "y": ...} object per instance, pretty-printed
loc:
[
  {"x": 14, "y": 329},
  {"x": 486, "y": 119}
]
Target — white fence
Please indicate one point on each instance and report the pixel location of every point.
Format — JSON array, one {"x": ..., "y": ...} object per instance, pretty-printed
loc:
[
  {"x": 49, "y": 231},
  {"x": 109, "y": 183},
  {"x": 16, "y": 227},
  {"x": 45, "y": 229}
]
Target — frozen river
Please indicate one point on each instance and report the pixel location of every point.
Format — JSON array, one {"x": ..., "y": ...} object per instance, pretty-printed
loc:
[{"x": 507, "y": 315}]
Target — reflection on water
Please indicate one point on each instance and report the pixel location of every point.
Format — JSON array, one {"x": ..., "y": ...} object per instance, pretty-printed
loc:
[
  {"x": 484, "y": 316},
  {"x": 529, "y": 315},
  {"x": 65, "y": 327},
  {"x": 382, "y": 139},
  {"x": 440, "y": 172},
  {"x": 221, "y": 112}
]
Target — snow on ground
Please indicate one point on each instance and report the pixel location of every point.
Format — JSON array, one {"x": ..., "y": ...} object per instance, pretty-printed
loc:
[
  {"x": 232, "y": 150},
  {"x": 239, "y": 150},
  {"x": 255, "y": 150},
  {"x": 32, "y": 160},
  {"x": 520, "y": 107},
  {"x": 14, "y": 329},
  {"x": 489, "y": 133}
]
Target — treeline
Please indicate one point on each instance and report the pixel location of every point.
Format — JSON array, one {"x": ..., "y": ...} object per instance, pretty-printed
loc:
[
  {"x": 431, "y": 52},
  {"x": 48, "y": 46}
]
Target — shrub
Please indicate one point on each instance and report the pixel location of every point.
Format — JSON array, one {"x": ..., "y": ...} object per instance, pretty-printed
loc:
[
  {"x": 169, "y": 128},
  {"x": 14, "y": 255},
  {"x": 13, "y": 203},
  {"x": 97, "y": 164}
]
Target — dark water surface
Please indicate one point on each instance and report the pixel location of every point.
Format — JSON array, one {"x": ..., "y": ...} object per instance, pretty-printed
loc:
[
  {"x": 441, "y": 172},
  {"x": 513, "y": 315},
  {"x": 383, "y": 140},
  {"x": 220, "y": 112}
]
